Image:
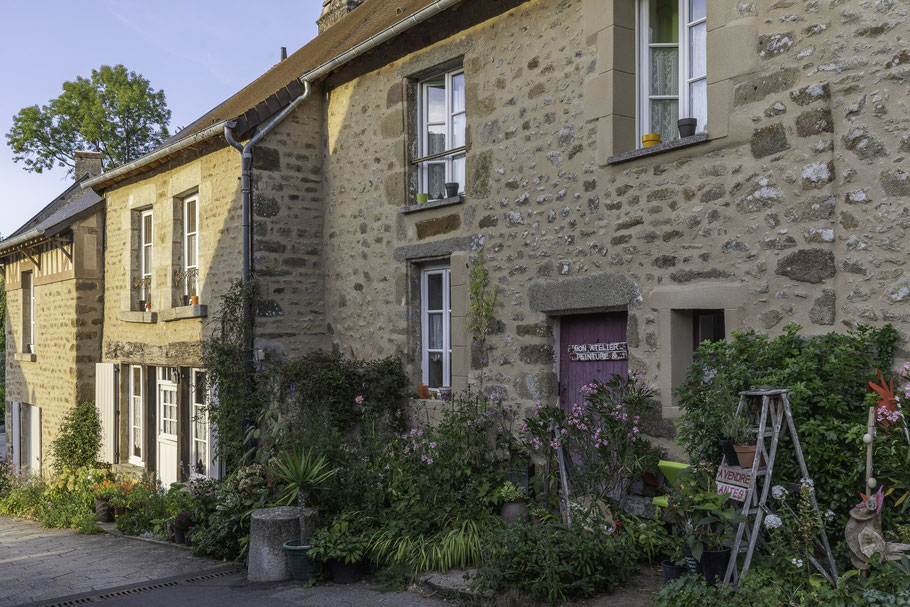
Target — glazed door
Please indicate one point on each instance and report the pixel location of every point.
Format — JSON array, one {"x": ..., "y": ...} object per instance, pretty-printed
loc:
[
  {"x": 167, "y": 426},
  {"x": 592, "y": 346}
]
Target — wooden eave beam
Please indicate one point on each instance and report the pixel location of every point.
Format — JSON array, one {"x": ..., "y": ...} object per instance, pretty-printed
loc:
[{"x": 28, "y": 254}]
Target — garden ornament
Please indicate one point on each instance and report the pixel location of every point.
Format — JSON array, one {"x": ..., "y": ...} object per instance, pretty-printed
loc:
[{"x": 864, "y": 529}]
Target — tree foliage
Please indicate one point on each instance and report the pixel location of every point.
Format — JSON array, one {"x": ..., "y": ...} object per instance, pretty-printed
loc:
[
  {"x": 79, "y": 441},
  {"x": 115, "y": 112}
]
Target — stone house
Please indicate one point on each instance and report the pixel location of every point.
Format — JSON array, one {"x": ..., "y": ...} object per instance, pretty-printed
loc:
[
  {"x": 53, "y": 279},
  {"x": 789, "y": 203}
]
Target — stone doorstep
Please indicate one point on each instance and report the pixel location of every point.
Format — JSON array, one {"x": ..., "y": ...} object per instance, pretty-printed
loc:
[{"x": 454, "y": 583}]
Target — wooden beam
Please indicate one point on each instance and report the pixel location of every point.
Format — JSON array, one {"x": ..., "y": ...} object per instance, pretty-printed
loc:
[
  {"x": 32, "y": 259},
  {"x": 62, "y": 243}
]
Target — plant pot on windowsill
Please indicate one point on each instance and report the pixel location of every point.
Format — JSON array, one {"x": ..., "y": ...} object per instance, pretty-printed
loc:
[
  {"x": 452, "y": 189},
  {"x": 686, "y": 127},
  {"x": 142, "y": 305}
]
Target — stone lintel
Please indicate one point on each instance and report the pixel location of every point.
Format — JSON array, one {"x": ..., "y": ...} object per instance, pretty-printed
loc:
[
  {"x": 429, "y": 250},
  {"x": 597, "y": 292}
]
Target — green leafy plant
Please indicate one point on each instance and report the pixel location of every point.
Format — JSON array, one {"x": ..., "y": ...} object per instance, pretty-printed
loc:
[
  {"x": 510, "y": 493},
  {"x": 686, "y": 591},
  {"x": 737, "y": 428},
  {"x": 343, "y": 541},
  {"x": 79, "y": 440},
  {"x": 482, "y": 301},
  {"x": 302, "y": 470},
  {"x": 706, "y": 519}
]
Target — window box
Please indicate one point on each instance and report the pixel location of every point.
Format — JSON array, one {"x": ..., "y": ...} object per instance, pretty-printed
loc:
[
  {"x": 148, "y": 318},
  {"x": 184, "y": 312}
]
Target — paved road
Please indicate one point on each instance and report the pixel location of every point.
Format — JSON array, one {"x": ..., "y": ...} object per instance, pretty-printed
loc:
[{"x": 47, "y": 566}]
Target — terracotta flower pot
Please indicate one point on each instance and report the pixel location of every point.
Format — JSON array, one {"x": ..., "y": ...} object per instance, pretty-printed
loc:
[
  {"x": 423, "y": 391},
  {"x": 745, "y": 454}
]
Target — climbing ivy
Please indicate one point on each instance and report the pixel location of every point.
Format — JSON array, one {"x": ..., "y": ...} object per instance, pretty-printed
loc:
[{"x": 482, "y": 304}]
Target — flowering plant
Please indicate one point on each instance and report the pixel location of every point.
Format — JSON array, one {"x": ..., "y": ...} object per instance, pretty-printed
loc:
[{"x": 793, "y": 527}]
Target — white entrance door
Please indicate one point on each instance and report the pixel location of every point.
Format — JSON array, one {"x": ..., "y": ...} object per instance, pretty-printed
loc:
[{"x": 167, "y": 426}]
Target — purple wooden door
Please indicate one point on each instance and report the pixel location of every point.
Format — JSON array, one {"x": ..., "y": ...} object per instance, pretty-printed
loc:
[{"x": 592, "y": 346}]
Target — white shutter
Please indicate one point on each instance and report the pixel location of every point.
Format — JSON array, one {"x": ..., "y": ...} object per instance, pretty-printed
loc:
[
  {"x": 34, "y": 439},
  {"x": 106, "y": 393},
  {"x": 14, "y": 434}
]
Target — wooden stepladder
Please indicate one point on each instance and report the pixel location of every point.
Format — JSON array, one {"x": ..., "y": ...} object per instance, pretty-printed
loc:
[{"x": 774, "y": 421}]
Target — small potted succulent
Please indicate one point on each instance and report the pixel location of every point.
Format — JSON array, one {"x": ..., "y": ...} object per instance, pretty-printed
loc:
[
  {"x": 342, "y": 547},
  {"x": 514, "y": 507}
]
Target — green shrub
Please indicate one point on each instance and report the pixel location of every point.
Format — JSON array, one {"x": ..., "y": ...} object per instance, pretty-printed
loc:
[
  {"x": 555, "y": 562},
  {"x": 67, "y": 500},
  {"x": 79, "y": 441},
  {"x": 688, "y": 591}
]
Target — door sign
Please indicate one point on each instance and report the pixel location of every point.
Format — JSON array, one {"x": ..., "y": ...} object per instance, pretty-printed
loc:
[{"x": 618, "y": 350}]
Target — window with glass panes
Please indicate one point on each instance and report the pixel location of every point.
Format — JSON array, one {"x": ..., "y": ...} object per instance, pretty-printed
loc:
[
  {"x": 199, "y": 448},
  {"x": 191, "y": 245},
  {"x": 136, "y": 409},
  {"x": 442, "y": 133},
  {"x": 167, "y": 401},
  {"x": 436, "y": 320},
  {"x": 145, "y": 253},
  {"x": 673, "y": 60}
]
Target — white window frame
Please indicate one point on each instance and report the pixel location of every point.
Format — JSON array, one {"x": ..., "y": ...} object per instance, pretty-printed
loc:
[
  {"x": 144, "y": 271},
  {"x": 186, "y": 240},
  {"x": 446, "y": 273},
  {"x": 450, "y": 154},
  {"x": 166, "y": 382},
  {"x": 136, "y": 400},
  {"x": 196, "y": 409},
  {"x": 28, "y": 341},
  {"x": 643, "y": 67}
]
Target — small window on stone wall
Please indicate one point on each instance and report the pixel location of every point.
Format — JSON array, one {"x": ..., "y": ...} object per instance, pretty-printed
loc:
[
  {"x": 436, "y": 326},
  {"x": 673, "y": 54},
  {"x": 441, "y": 135},
  {"x": 707, "y": 325},
  {"x": 141, "y": 259}
]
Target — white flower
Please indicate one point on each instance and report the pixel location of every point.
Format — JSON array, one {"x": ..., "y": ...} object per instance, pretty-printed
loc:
[
  {"x": 797, "y": 562},
  {"x": 807, "y": 482},
  {"x": 829, "y": 514},
  {"x": 772, "y": 521},
  {"x": 778, "y": 492}
]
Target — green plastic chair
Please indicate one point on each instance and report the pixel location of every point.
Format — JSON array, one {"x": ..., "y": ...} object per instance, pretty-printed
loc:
[{"x": 671, "y": 471}]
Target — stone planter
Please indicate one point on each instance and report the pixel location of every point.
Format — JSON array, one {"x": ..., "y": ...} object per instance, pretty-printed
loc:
[{"x": 270, "y": 528}]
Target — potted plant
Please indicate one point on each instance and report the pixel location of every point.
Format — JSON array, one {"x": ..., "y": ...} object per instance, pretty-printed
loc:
[
  {"x": 103, "y": 494},
  {"x": 706, "y": 520},
  {"x": 729, "y": 425},
  {"x": 686, "y": 126},
  {"x": 342, "y": 547},
  {"x": 301, "y": 470},
  {"x": 452, "y": 189},
  {"x": 673, "y": 565},
  {"x": 740, "y": 432},
  {"x": 514, "y": 507},
  {"x": 181, "y": 526}
]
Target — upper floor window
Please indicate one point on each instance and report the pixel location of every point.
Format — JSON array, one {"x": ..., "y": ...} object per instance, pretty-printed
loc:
[
  {"x": 436, "y": 320},
  {"x": 441, "y": 144},
  {"x": 673, "y": 56},
  {"x": 145, "y": 254},
  {"x": 191, "y": 246},
  {"x": 28, "y": 313}
]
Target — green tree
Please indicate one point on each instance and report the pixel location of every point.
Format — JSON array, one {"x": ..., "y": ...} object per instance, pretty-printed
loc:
[
  {"x": 2, "y": 351},
  {"x": 115, "y": 112}
]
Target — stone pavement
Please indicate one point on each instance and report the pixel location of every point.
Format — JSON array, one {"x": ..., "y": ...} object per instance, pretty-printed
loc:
[{"x": 37, "y": 564}]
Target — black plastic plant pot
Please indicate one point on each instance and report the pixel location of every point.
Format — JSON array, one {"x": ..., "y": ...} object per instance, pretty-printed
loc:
[
  {"x": 687, "y": 126},
  {"x": 451, "y": 189},
  {"x": 726, "y": 445},
  {"x": 346, "y": 573},
  {"x": 671, "y": 571},
  {"x": 714, "y": 565},
  {"x": 298, "y": 561}
]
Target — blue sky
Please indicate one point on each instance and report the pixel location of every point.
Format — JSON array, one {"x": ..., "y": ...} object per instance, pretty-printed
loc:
[{"x": 199, "y": 52}]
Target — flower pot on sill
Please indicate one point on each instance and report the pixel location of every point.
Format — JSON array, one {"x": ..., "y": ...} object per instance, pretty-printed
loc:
[
  {"x": 298, "y": 561},
  {"x": 686, "y": 126},
  {"x": 452, "y": 189},
  {"x": 745, "y": 454},
  {"x": 186, "y": 300},
  {"x": 194, "y": 300},
  {"x": 672, "y": 571},
  {"x": 445, "y": 393},
  {"x": 729, "y": 452},
  {"x": 422, "y": 198},
  {"x": 423, "y": 391},
  {"x": 650, "y": 139},
  {"x": 142, "y": 305}
]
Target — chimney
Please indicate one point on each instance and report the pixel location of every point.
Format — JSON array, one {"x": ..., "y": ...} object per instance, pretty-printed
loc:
[
  {"x": 284, "y": 53},
  {"x": 87, "y": 162},
  {"x": 333, "y": 11}
]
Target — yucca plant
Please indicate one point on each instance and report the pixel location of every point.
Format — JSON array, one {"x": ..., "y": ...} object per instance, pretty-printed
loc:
[{"x": 302, "y": 471}]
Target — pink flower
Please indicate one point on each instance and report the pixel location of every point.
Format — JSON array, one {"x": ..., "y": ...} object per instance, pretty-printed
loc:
[{"x": 358, "y": 400}]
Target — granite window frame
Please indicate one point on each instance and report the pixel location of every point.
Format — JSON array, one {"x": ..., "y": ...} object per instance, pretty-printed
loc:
[{"x": 687, "y": 23}]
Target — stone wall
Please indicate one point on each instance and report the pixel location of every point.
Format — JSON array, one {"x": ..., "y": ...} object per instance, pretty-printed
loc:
[
  {"x": 61, "y": 373},
  {"x": 796, "y": 203}
]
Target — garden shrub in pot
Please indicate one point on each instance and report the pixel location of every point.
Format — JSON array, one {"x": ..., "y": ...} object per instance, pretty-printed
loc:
[{"x": 342, "y": 546}]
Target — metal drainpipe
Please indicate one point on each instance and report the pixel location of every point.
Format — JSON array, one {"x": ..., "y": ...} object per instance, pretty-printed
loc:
[{"x": 246, "y": 166}]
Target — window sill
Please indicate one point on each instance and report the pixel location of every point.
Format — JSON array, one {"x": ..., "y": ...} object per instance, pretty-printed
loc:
[
  {"x": 147, "y": 318},
  {"x": 435, "y": 204},
  {"x": 658, "y": 149},
  {"x": 184, "y": 312},
  {"x": 25, "y": 357}
]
